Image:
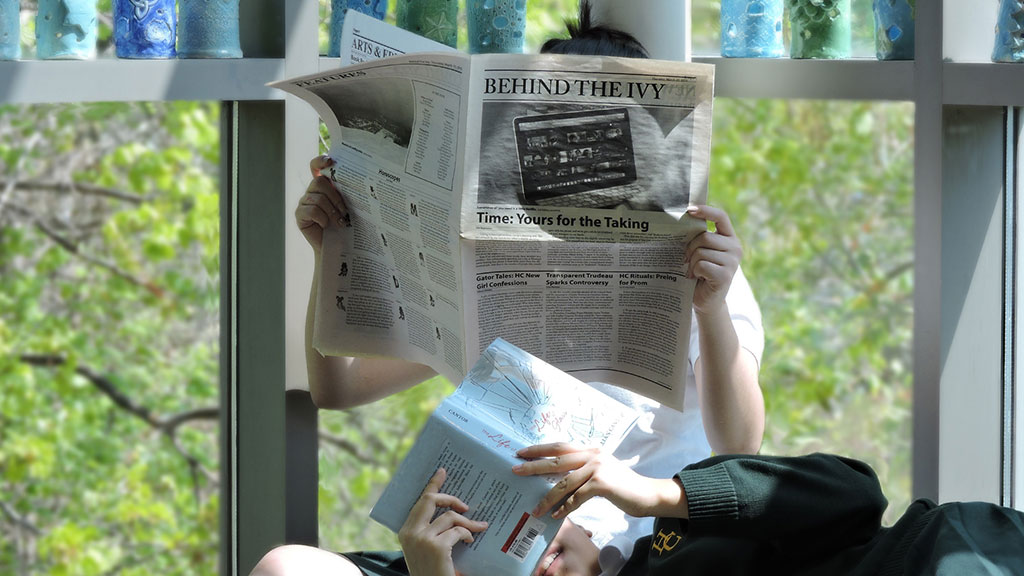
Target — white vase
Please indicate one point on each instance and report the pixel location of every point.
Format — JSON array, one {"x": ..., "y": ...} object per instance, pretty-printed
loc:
[{"x": 662, "y": 26}]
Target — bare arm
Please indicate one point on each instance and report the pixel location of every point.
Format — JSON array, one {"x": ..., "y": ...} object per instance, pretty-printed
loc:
[
  {"x": 732, "y": 406},
  {"x": 341, "y": 382}
]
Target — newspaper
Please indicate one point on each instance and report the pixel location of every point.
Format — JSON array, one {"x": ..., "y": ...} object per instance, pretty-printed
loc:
[
  {"x": 536, "y": 198},
  {"x": 364, "y": 38},
  {"x": 508, "y": 401}
]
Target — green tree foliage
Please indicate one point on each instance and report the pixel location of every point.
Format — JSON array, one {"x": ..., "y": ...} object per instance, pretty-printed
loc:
[
  {"x": 109, "y": 324},
  {"x": 822, "y": 196}
]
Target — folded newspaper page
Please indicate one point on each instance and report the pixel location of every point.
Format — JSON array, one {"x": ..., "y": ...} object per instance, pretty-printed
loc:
[
  {"x": 508, "y": 401},
  {"x": 536, "y": 198},
  {"x": 364, "y": 38}
]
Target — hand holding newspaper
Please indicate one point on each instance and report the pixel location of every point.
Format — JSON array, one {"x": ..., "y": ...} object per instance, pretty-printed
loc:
[
  {"x": 508, "y": 401},
  {"x": 537, "y": 198}
]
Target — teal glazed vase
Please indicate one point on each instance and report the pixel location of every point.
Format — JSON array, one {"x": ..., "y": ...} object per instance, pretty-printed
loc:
[
  {"x": 66, "y": 30},
  {"x": 894, "y": 29},
  {"x": 208, "y": 29},
  {"x": 1009, "y": 43},
  {"x": 144, "y": 28},
  {"x": 10, "y": 29},
  {"x": 376, "y": 8},
  {"x": 752, "y": 29},
  {"x": 437, "y": 20},
  {"x": 819, "y": 28},
  {"x": 496, "y": 26}
]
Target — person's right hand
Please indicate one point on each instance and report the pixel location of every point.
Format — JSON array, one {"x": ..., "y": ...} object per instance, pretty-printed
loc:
[
  {"x": 321, "y": 206},
  {"x": 427, "y": 544},
  {"x": 591, "y": 472}
]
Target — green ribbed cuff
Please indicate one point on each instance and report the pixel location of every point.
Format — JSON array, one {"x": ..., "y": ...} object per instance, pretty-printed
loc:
[{"x": 710, "y": 494}]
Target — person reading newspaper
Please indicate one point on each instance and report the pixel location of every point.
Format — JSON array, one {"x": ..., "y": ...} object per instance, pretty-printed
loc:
[
  {"x": 724, "y": 408},
  {"x": 818, "y": 514}
]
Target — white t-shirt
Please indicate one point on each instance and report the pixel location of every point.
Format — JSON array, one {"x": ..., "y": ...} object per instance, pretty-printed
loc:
[{"x": 664, "y": 440}]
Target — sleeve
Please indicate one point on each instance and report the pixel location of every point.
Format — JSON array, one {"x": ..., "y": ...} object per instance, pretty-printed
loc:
[
  {"x": 746, "y": 319},
  {"x": 802, "y": 502}
]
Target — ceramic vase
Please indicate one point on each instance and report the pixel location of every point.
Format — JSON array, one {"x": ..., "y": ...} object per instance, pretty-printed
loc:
[
  {"x": 208, "y": 29},
  {"x": 819, "y": 28},
  {"x": 496, "y": 26},
  {"x": 434, "y": 19},
  {"x": 10, "y": 29},
  {"x": 894, "y": 29},
  {"x": 1009, "y": 42},
  {"x": 752, "y": 29},
  {"x": 376, "y": 8},
  {"x": 144, "y": 28},
  {"x": 66, "y": 30}
]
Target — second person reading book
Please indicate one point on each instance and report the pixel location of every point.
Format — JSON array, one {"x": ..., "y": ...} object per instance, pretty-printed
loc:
[{"x": 724, "y": 408}]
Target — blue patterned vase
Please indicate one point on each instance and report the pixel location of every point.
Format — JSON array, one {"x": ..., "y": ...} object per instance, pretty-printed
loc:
[
  {"x": 752, "y": 29},
  {"x": 144, "y": 28},
  {"x": 208, "y": 29},
  {"x": 66, "y": 30},
  {"x": 10, "y": 29},
  {"x": 894, "y": 29},
  {"x": 1009, "y": 44},
  {"x": 375, "y": 8},
  {"x": 496, "y": 26}
]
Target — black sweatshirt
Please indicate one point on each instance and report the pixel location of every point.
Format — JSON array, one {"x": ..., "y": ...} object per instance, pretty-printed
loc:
[{"x": 819, "y": 514}]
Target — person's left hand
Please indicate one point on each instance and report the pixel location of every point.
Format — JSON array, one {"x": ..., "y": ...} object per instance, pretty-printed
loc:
[
  {"x": 428, "y": 544},
  {"x": 571, "y": 553},
  {"x": 713, "y": 258},
  {"x": 590, "y": 472}
]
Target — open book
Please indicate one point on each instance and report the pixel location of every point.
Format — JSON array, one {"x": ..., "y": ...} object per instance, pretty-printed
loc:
[
  {"x": 536, "y": 198},
  {"x": 508, "y": 401}
]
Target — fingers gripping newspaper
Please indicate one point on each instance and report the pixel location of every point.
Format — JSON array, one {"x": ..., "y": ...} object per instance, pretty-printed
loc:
[{"x": 536, "y": 198}]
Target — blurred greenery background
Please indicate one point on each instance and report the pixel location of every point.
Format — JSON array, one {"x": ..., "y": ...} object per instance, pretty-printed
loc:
[{"x": 109, "y": 320}]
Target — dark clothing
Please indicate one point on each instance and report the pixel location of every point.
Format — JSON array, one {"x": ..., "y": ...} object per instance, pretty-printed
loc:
[
  {"x": 384, "y": 563},
  {"x": 819, "y": 515}
]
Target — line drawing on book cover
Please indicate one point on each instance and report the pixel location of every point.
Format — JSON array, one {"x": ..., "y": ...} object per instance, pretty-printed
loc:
[{"x": 526, "y": 396}]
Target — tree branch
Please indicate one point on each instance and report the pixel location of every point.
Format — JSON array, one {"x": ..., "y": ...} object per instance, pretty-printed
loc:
[
  {"x": 100, "y": 382},
  {"x": 71, "y": 247},
  {"x": 167, "y": 426},
  {"x": 17, "y": 519},
  {"x": 74, "y": 188},
  {"x": 345, "y": 445},
  {"x": 170, "y": 425}
]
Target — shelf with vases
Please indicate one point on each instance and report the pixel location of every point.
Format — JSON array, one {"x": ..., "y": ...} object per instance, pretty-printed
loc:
[
  {"x": 116, "y": 80},
  {"x": 850, "y": 79}
]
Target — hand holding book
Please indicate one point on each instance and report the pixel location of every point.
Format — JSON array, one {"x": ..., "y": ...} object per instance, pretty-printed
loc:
[
  {"x": 592, "y": 472},
  {"x": 427, "y": 537}
]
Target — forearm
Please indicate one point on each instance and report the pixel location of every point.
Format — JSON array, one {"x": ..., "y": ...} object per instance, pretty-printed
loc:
[
  {"x": 732, "y": 406},
  {"x": 342, "y": 382}
]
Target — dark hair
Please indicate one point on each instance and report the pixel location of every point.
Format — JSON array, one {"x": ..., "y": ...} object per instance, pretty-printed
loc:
[{"x": 589, "y": 39}]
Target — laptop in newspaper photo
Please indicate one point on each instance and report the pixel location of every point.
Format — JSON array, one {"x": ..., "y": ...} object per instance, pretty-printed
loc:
[{"x": 580, "y": 159}]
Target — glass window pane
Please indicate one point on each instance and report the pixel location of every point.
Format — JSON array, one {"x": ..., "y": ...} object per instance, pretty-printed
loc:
[
  {"x": 109, "y": 338},
  {"x": 359, "y": 452},
  {"x": 821, "y": 194}
]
